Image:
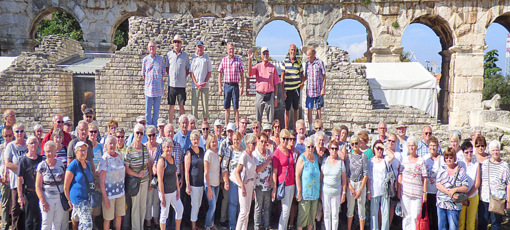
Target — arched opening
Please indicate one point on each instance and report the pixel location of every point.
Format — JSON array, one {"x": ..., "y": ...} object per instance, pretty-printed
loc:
[
  {"x": 277, "y": 36},
  {"x": 428, "y": 39},
  {"x": 120, "y": 37},
  {"x": 55, "y": 21},
  {"x": 354, "y": 36},
  {"x": 497, "y": 61}
]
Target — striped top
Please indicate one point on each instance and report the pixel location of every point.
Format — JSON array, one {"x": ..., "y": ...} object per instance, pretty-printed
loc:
[
  {"x": 498, "y": 174},
  {"x": 412, "y": 177},
  {"x": 134, "y": 160},
  {"x": 293, "y": 73}
]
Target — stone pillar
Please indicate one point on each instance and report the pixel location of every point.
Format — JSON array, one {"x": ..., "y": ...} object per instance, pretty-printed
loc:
[
  {"x": 386, "y": 53},
  {"x": 465, "y": 84}
]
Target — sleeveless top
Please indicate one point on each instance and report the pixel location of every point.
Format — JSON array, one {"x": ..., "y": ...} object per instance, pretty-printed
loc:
[
  {"x": 169, "y": 178},
  {"x": 197, "y": 168},
  {"x": 310, "y": 179}
]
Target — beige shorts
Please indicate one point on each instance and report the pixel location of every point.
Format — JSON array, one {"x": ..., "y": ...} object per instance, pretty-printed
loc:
[{"x": 117, "y": 208}]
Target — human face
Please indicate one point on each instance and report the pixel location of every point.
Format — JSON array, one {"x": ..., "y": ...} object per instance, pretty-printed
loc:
[
  {"x": 152, "y": 48},
  {"x": 336, "y": 136},
  {"x": 311, "y": 55},
  {"x": 120, "y": 138},
  {"x": 243, "y": 124},
  {"x": 265, "y": 56},
  {"x": 200, "y": 50},
  {"x": 192, "y": 125},
  {"x": 379, "y": 150},
  {"x": 152, "y": 136},
  {"x": 480, "y": 148},
  {"x": 411, "y": 146},
  {"x": 256, "y": 129},
  {"x": 309, "y": 149},
  {"x": 169, "y": 131},
  {"x": 9, "y": 117},
  {"x": 454, "y": 143},
  {"x": 391, "y": 142},
  {"x": 230, "y": 50},
  {"x": 177, "y": 46},
  {"x": 237, "y": 141},
  {"x": 32, "y": 145},
  {"x": 218, "y": 130},
  {"x": 333, "y": 151},
  {"x": 317, "y": 128},
  {"x": 355, "y": 145},
  {"x": 167, "y": 148},
  {"x": 251, "y": 146},
  {"x": 88, "y": 118},
  {"x": 401, "y": 132},
  {"x": 214, "y": 144},
  {"x": 450, "y": 161},
  {"x": 262, "y": 143},
  {"x": 195, "y": 141},
  {"x": 58, "y": 139},
  {"x": 161, "y": 130},
  {"x": 267, "y": 132},
  {"x": 81, "y": 153},
  {"x": 38, "y": 133},
  {"x": 110, "y": 148},
  {"x": 58, "y": 122},
  {"x": 292, "y": 142},
  {"x": 138, "y": 135},
  {"x": 93, "y": 134},
  {"x": 276, "y": 128},
  {"x": 184, "y": 125},
  {"x": 292, "y": 51},
  {"x": 320, "y": 141},
  {"x": 143, "y": 122},
  {"x": 19, "y": 133},
  {"x": 230, "y": 134},
  {"x": 112, "y": 129},
  {"x": 50, "y": 152},
  {"x": 343, "y": 135},
  {"x": 68, "y": 127},
  {"x": 382, "y": 129},
  {"x": 300, "y": 128},
  {"x": 205, "y": 130},
  {"x": 284, "y": 141},
  {"x": 433, "y": 148},
  {"x": 8, "y": 135},
  {"x": 468, "y": 154},
  {"x": 427, "y": 132},
  {"x": 495, "y": 153}
]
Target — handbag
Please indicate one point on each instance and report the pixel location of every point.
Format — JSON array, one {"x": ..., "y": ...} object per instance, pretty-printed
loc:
[
  {"x": 154, "y": 182},
  {"x": 132, "y": 183},
  {"x": 458, "y": 197},
  {"x": 280, "y": 191},
  {"x": 391, "y": 191},
  {"x": 95, "y": 197},
  {"x": 63, "y": 198},
  {"x": 422, "y": 223},
  {"x": 496, "y": 205}
]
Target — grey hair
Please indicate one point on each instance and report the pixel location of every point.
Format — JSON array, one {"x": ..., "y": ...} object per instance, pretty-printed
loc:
[
  {"x": 57, "y": 133},
  {"x": 151, "y": 128},
  {"x": 249, "y": 138},
  {"x": 82, "y": 122},
  {"x": 49, "y": 144},
  {"x": 109, "y": 139},
  {"x": 166, "y": 141},
  {"x": 319, "y": 134},
  {"x": 37, "y": 127},
  {"x": 18, "y": 125},
  {"x": 455, "y": 136},
  {"x": 191, "y": 117},
  {"x": 494, "y": 144},
  {"x": 31, "y": 137},
  {"x": 309, "y": 141},
  {"x": 195, "y": 134},
  {"x": 412, "y": 139},
  {"x": 182, "y": 117},
  {"x": 354, "y": 137},
  {"x": 138, "y": 126}
]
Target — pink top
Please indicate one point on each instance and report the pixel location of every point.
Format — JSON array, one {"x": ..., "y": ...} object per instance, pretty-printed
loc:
[
  {"x": 280, "y": 162},
  {"x": 267, "y": 77}
]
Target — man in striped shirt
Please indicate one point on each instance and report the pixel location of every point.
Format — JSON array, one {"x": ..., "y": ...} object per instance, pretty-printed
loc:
[
  {"x": 153, "y": 70},
  {"x": 315, "y": 77},
  {"x": 292, "y": 81},
  {"x": 232, "y": 71}
]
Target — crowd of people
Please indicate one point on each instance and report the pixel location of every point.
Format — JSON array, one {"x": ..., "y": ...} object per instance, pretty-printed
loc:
[{"x": 160, "y": 177}]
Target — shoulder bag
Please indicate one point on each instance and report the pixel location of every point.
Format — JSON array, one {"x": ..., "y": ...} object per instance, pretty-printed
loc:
[
  {"x": 63, "y": 198},
  {"x": 95, "y": 197},
  {"x": 496, "y": 205},
  {"x": 422, "y": 223},
  {"x": 391, "y": 191},
  {"x": 132, "y": 183},
  {"x": 458, "y": 197},
  {"x": 280, "y": 192}
]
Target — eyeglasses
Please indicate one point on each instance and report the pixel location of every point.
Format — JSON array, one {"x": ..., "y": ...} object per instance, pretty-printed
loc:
[
  {"x": 244, "y": 122},
  {"x": 355, "y": 143},
  {"x": 318, "y": 128},
  {"x": 380, "y": 148},
  {"x": 93, "y": 131},
  {"x": 206, "y": 129},
  {"x": 151, "y": 135},
  {"x": 265, "y": 53},
  {"x": 256, "y": 127},
  {"x": 287, "y": 139},
  {"x": 468, "y": 151},
  {"x": 428, "y": 133},
  {"x": 19, "y": 131},
  {"x": 263, "y": 142},
  {"x": 60, "y": 122},
  {"x": 334, "y": 149},
  {"x": 68, "y": 124},
  {"x": 120, "y": 137},
  {"x": 7, "y": 136},
  {"x": 309, "y": 147},
  {"x": 480, "y": 146},
  {"x": 88, "y": 116},
  {"x": 276, "y": 126},
  {"x": 391, "y": 141},
  {"x": 448, "y": 157},
  {"x": 139, "y": 133}
]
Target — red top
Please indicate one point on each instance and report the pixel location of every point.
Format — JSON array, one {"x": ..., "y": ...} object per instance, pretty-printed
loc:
[
  {"x": 47, "y": 137},
  {"x": 280, "y": 162}
]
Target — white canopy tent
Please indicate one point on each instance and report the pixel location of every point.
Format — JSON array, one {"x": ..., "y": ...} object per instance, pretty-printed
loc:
[{"x": 403, "y": 83}]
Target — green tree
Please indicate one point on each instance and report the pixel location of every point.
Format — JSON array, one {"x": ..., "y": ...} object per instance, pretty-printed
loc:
[
  {"x": 360, "y": 60},
  {"x": 61, "y": 24},
  {"x": 490, "y": 69},
  {"x": 405, "y": 56},
  {"x": 122, "y": 34}
]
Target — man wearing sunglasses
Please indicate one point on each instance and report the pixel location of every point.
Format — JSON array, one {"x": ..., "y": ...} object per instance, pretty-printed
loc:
[
  {"x": 423, "y": 147},
  {"x": 205, "y": 134},
  {"x": 58, "y": 123},
  {"x": 177, "y": 67},
  {"x": 140, "y": 120},
  {"x": 10, "y": 119},
  {"x": 88, "y": 116},
  {"x": 82, "y": 132}
]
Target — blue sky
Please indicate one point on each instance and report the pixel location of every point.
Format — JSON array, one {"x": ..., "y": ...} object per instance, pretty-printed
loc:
[{"x": 351, "y": 35}]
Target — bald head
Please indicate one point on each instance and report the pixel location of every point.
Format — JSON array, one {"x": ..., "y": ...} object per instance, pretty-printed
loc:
[
  {"x": 9, "y": 117},
  {"x": 311, "y": 54},
  {"x": 58, "y": 122},
  {"x": 292, "y": 51}
]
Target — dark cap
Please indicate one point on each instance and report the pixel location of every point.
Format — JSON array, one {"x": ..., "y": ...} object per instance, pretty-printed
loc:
[
  {"x": 200, "y": 43},
  {"x": 88, "y": 111}
]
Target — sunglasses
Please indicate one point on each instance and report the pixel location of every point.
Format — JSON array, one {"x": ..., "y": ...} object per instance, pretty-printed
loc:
[
  {"x": 467, "y": 151},
  {"x": 318, "y": 128},
  {"x": 256, "y": 127},
  {"x": 263, "y": 142},
  {"x": 93, "y": 131},
  {"x": 391, "y": 141},
  {"x": 19, "y": 131},
  {"x": 379, "y": 148},
  {"x": 355, "y": 143},
  {"x": 151, "y": 135},
  {"x": 334, "y": 149},
  {"x": 480, "y": 146},
  {"x": 120, "y": 137},
  {"x": 60, "y": 122},
  {"x": 254, "y": 143},
  {"x": 88, "y": 116},
  {"x": 68, "y": 124},
  {"x": 139, "y": 133},
  {"x": 206, "y": 129},
  {"x": 428, "y": 133},
  {"x": 276, "y": 126},
  {"x": 176, "y": 42},
  {"x": 309, "y": 147},
  {"x": 287, "y": 139}
]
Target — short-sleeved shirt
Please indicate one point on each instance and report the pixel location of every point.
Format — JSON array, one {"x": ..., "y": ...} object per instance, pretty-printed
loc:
[
  {"x": 377, "y": 173},
  {"x": 443, "y": 200},
  {"x": 177, "y": 153},
  {"x": 332, "y": 177},
  {"x": 200, "y": 67},
  {"x": 53, "y": 178},
  {"x": 134, "y": 160},
  {"x": 266, "y": 76},
  {"x": 183, "y": 140},
  {"x": 433, "y": 169},
  {"x": 293, "y": 72},
  {"x": 231, "y": 68},
  {"x": 90, "y": 151},
  {"x": 14, "y": 153},
  {"x": 369, "y": 153},
  {"x": 229, "y": 163},
  {"x": 115, "y": 174},
  {"x": 2, "y": 163},
  {"x": 153, "y": 68},
  {"x": 98, "y": 154},
  {"x": 196, "y": 167},
  {"x": 79, "y": 190},
  {"x": 401, "y": 146},
  {"x": 358, "y": 166},
  {"x": 263, "y": 178},
  {"x": 412, "y": 177},
  {"x": 177, "y": 66},
  {"x": 310, "y": 179},
  {"x": 471, "y": 171},
  {"x": 280, "y": 162},
  {"x": 423, "y": 149},
  {"x": 214, "y": 167},
  {"x": 28, "y": 170},
  {"x": 315, "y": 72},
  {"x": 249, "y": 167},
  {"x": 62, "y": 156},
  {"x": 498, "y": 175}
]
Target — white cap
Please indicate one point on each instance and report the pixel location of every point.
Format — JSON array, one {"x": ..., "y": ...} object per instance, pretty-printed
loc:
[
  {"x": 140, "y": 118},
  {"x": 217, "y": 122},
  {"x": 67, "y": 120},
  {"x": 264, "y": 49},
  {"x": 231, "y": 126},
  {"x": 266, "y": 127},
  {"x": 80, "y": 144}
]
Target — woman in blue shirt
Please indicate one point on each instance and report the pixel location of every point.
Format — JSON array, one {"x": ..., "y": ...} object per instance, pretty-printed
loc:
[{"x": 308, "y": 185}]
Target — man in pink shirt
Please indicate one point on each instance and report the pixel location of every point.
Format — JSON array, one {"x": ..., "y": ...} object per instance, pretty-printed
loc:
[{"x": 267, "y": 81}]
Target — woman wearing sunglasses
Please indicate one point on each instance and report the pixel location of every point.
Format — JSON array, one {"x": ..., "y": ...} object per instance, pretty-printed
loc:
[
  {"x": 153, "y": 149},
  {"x": 480, "y": 147},
  {"x": 334, "y": 178},
  {"x": 358, "y": 178}
]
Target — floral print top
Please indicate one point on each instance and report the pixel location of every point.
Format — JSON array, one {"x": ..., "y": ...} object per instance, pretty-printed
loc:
[
  {"x": 498, "y": 175},
  {"x": 310, "y": 179},
  {"x": 263, "y": 178},
  {"x": 443, "y": 200},
  {"x": 412, "y": 177}
]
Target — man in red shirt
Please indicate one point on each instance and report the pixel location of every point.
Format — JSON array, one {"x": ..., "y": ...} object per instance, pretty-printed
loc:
[
  {"x": 267, "y": 81},
  {"x": 58, "y": 123}
]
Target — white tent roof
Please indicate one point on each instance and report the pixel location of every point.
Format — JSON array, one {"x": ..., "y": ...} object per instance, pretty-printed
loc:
[
  {"x": 399, "y": 75},
  {"x": 5, "y": 62}
]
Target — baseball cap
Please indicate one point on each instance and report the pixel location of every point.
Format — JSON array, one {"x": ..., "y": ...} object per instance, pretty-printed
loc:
[
  {"x": 231, "y": 126},
  {"x": 67, "y": 120},
  {"x": 401, "y": 124},
  {"x": 161, "y": 121},
  {"x": 140, "y": 118},
  {"x": 264, "y": 49},
  {"x": 267, "y": 126},
  {"x": 217, "y": 122},
  {"x": 200, "y": 43},
  {"x": 80, "y": 144},
  {"x": 88, "y": 111}
]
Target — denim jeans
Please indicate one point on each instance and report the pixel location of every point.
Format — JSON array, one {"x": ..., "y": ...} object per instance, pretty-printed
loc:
[
  {"x": 209, "y": 217},
  {"x": 152, "y": 102},
  {"x": 233, "y": 204},
  {"x": 384, "y": 204},
  {"x": 485, "y": 217},
  {"x": 448, "y": 218}
]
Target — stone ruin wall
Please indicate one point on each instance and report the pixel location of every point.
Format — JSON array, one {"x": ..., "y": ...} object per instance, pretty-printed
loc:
[{"x": 59, "y": 49}]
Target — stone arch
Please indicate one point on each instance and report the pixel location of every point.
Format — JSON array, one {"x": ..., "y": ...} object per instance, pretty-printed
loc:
[
  {"x": 363, "y": 22},
  {"x": 503, "y": 19},
  {"x": 256, "y": 30},
  {"x": 43, "y": 13},
  {"x": 121, "y": 19},
  {"x": 444, "y": 31}
]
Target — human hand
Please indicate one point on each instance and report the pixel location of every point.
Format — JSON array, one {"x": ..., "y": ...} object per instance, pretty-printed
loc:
[
  {"x": 46, "y": 207},
  {"x": 323, "y": 92},
  {"x": 358, "y": 195},
  {"x": 284, "y": 95},
  {"x": 107, "y": 202},
  {"x": 209, "y": 194},
  {"x": 188, "y": 190},
  {"x": 250, "y": 54}
]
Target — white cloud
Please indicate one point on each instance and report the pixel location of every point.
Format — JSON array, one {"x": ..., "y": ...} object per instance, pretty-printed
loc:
[{"x": 357, "y": 50}]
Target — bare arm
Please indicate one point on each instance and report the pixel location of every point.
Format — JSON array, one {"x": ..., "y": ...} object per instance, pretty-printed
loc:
[
  {"x": 220, "y": 87},
  {"x": 477, "y": 183},
  {"x": 193, "y": 79},
  {"x": 187, "y": 168},
  {"x": 38, "y": 187},
  {"x": 237, "y": 173},
  {"x": 9, "y": 165},
  {"x": 299, "y": 171}
]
